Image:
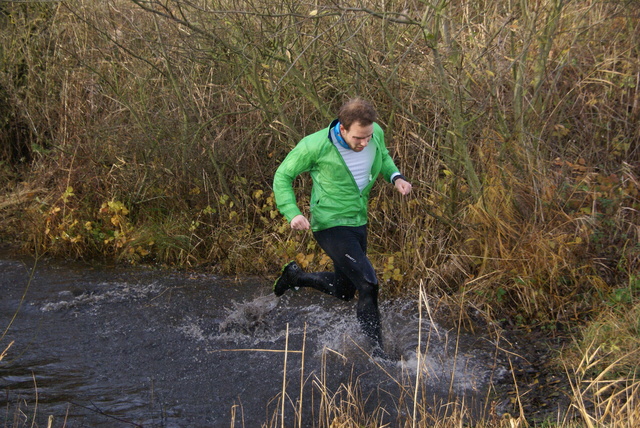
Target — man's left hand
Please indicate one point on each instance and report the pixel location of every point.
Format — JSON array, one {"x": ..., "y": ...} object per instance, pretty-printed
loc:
[{"x": 403, "y": 186}]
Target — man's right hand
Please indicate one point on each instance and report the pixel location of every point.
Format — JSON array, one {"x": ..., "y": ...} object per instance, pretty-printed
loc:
[{"x": 300, "y": 222}]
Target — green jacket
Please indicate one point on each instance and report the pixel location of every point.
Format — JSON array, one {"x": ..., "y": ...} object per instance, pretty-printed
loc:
[{"x": 336, "y": 199}]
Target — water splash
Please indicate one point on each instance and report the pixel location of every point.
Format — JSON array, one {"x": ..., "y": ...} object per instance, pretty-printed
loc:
[
  {"x": 193, "y": 330},
  {"x": 249, "y": 318},
  {"x": 105, "y": 293}
]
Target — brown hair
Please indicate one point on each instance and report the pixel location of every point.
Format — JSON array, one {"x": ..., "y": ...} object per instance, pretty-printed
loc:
[{"x": 357, "y": 110}]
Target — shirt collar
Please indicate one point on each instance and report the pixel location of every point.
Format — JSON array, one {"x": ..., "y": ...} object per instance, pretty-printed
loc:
[{"x": 334, "y": 135}]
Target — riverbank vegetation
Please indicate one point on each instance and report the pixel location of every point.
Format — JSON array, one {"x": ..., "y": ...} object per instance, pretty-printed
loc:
[{"x": 148, "y": 132}]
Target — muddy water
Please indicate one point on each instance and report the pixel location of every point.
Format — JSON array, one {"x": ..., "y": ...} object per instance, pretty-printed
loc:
[{"x": 120, "y": 347}]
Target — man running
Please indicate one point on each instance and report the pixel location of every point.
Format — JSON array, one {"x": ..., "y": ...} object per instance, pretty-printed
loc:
[{"x": 344, "y": 161}]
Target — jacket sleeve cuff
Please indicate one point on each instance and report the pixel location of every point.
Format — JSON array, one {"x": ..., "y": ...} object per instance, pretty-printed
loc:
[
  {"x": 290, "y": 212},
  {"x": 396, "y": 176}
]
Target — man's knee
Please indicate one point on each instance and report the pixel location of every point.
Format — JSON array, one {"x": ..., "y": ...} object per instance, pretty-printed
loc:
[
  {"x": 369, "y": 289},
  {"x": 369, "y": 275}
]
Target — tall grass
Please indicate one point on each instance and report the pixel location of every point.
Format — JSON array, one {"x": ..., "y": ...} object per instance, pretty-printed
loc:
[
  {"x": 603, "y": 397},
  {"x": 148, "y": 132}
]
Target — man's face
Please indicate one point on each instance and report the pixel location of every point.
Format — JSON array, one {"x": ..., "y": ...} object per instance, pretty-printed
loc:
[{"x": 357, "y": 136}]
